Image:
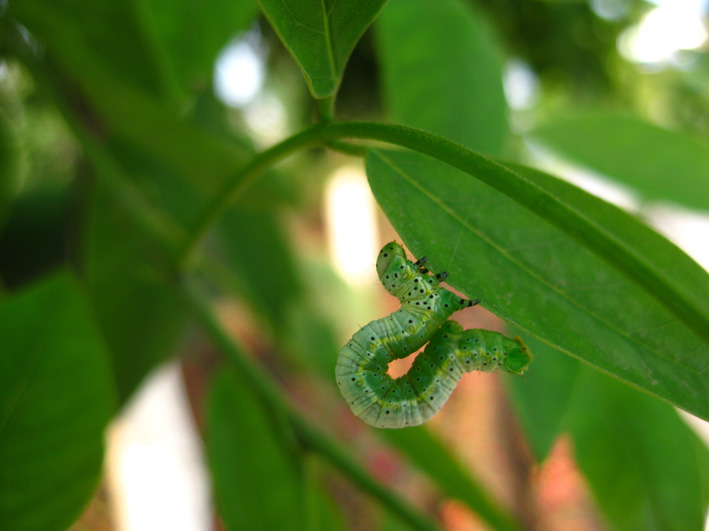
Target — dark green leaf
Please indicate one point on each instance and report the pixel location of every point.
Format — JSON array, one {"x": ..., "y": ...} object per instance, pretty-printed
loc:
[
  {"x": 139, "y": 124},
  {"x": 640, "y": 458},
  {"x": 34, "y": 240},
  {"x": 9, "y": 164},
  {"x": 444, "y": 76},
  {"x": 56, "y": 398},
  {"x": 257, "y": 480},
  {"x": 321, "y": 34},
  {"x": 112, "y": 30},
  {"x": 658, "y": 163},
  {"x": 429, "y": 454},
  {"x": 533, "y": 275}
]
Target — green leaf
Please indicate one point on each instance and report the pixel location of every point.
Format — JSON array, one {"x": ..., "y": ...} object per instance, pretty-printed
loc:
[
  {"x": 321, "y": 34},
  {"x": 658, "y": 163},
  {"x": 257, "y": 480},
  {"x": 446, "y": 75},
  {"x": 640, "y": 458},
  {"x": 139, "y": 312},
  {"x": 136, "y": 122},
  {"x": 114, "y": 31},
  {"x": 537, "y": 277},
  {"x": 429, "y": 454},
  {"x": 35, "y": 234},
  {"x": 56, "y": 398}
]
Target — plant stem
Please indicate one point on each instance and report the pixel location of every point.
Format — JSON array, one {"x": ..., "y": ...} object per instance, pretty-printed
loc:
[
  {"x": 347, "y": 148},
  {"x": 341, "y": 459},
  {"x": 310, "y": 436},
  {"x": 326, "y": 109}
]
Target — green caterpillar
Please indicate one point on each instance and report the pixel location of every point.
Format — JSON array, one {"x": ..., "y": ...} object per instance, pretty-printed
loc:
[{"x": 412, "y": 399}]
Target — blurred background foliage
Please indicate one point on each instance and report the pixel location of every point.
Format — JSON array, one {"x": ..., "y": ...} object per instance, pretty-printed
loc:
[{"x": 166, "y": 100}]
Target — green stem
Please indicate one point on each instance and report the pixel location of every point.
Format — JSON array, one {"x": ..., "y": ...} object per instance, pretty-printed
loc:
[
  {"x": 309, "y": 435},
  {"x": 326, "y": 109},
  {"x": 347, "y": 148}
]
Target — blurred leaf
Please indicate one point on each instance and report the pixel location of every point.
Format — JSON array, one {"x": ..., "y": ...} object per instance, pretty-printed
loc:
[
  {"x": 137, "y": 123},
  {"x": 257, "y": 480},
  {"x": 533, "y": 275},
  {"x": 177, "y": 164},
  {"x": 323, "y": 512},
  {"x": 640, "y": 458},
  {"x": 254, "y": 245},
  {"x": 446, "y": 76},
  {"x": 56, "y": 398},
  {"x": 543, "y": 395},
  {"x": 321, "y": 34},
  {"x": 309, "y": 336},
  {"x": 388, "y": 521},
  {"x": 113, "y": 31},
  {"x": 9, "y": 165},
  {"x": 192, "y": 34},
  {"x": 35, "y": 239},
  {"x": 660, "y": 164},
  {"x": 268, "y": 278},
  {"x": 140, "y": 314},
  {"x": 430, "y": 455}
]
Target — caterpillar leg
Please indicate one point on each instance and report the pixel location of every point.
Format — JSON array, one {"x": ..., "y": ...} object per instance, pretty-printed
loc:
[
  {"x": 421, "y": 261},
  {"x": 442, "y": 276},
  {"x": 420, "y": 264}
]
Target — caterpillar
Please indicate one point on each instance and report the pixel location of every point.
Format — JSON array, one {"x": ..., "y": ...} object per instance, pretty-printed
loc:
[{"x": 412, "y": 399}]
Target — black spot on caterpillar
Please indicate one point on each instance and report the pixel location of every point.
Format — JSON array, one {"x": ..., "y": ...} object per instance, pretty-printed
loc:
[{"x": 412, "y": 399}]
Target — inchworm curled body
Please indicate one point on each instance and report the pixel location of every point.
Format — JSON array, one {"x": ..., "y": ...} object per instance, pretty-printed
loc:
[{"x": 412, "y": 399}]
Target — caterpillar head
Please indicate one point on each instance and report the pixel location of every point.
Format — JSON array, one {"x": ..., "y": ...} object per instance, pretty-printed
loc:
[
  {"x": 518, "y": 358},
  {"x": 386, "y": 255}
]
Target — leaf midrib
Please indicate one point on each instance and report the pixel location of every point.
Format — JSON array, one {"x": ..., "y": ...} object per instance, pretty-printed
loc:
[{"x": 328, "y": 39}]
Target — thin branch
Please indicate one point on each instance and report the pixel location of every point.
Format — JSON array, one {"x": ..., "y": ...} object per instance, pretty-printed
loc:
[
  {"x": 347, "y": 148},
  {"x": 310, "y": 436},
  {"x": 326, "y": 109}
]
